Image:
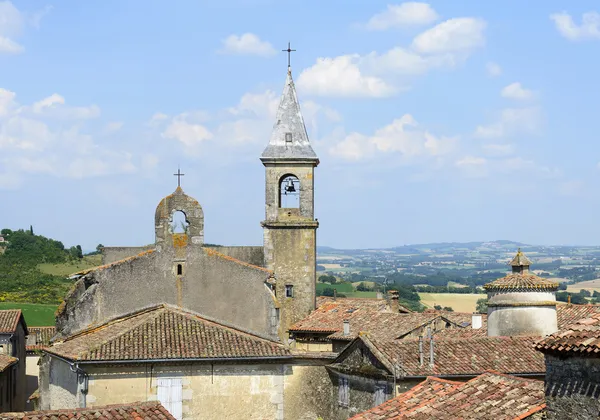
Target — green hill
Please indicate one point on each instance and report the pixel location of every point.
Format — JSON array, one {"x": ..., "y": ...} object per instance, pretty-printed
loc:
[{"x": 34, "y": 269}]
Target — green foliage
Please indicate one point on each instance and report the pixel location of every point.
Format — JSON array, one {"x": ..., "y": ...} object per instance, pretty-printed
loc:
[
  {"x": 327, "y": 278},
  {"x": 576, "y": 298},
  {"x": 562, "y": 286},
  {"x": 585, "y": 293},
  {"x": 448, "y": 309},
  {"x": 20, "y": 278},
  {"x": 36, "y": 315},
  {"x": 362, "y": 287},
  {"x": 482, "y": 305}
]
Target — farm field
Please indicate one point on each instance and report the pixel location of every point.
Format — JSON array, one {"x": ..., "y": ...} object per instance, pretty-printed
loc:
[
  {"x": 590, "y": 285},
  {"x": 457, "y": 301},
  {"x": 68, "y": 268},
  {"x": 346, "y": 289},
  {"x": 36, "y": 314}
]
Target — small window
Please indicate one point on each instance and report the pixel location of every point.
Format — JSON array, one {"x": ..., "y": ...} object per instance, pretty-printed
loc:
[
  {"x": 179, "y": 269},
  {"x": 344, "y": 393},
  {"x": 288, "y": 137},
  {"x": 289, "y": 291}
]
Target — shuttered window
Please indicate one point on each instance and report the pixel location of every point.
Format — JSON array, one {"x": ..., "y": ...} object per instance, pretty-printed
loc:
[
  {"x": 379, "y": 395},
  {"x": 344, "y": 392},
  {"x": 170, "y": 395}
]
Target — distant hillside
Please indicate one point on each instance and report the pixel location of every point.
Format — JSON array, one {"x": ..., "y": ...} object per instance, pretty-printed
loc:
[
  {"x": 417, "y": 249},
  {"x": 33, "y": 268}
]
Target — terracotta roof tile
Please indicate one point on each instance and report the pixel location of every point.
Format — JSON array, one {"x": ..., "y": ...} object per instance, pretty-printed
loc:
[
  {"x": 521, "y": 281},
  {"x": 513, "y": 355},
  {"x": 9, "y": 320},
  {"x": 520, "y": 260},
  {"x": 582, "y": 337},
  {"x": 42, "y": 337},
  {"x": 165, "y": 332},
  {"x": 571, "y": 313},
  {"x": 151, "y": 410},
  {"x": 6, "y": 361},
  {"x": 488, "y": 396}
]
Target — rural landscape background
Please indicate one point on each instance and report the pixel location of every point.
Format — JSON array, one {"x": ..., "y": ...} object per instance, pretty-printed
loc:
[{"x": 35, "y": 270}]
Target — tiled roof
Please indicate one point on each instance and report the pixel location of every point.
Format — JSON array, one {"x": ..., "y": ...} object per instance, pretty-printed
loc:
[
  {"x": 462, "y": 319},
  {"x": 462, "y": 333},
  {"x": 379, "y": 304},
  {"x": 428, "y": 390},
  {"x": 520, "y": 260},
  {"x": 213, "y": 253},
  {"x": 6, "y": 361},
  {"x": 151, "y": 410},
  {"x": 165, "y": 332},
  {"x": 42, "y": 337},
  {"x": 521, "y": 281},
  {"x": 582, "y": 337},
  {"x": 488, "y": 396},
  {"x": 9, "y": 320},
  {"x": 384, "y": 325},
  {"x": 513, "y": 355},
  {"x": 571, "y": 313}
]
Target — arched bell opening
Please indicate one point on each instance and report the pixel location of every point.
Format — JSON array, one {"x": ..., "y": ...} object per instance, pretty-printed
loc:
[{"x": 289, "y": 192}]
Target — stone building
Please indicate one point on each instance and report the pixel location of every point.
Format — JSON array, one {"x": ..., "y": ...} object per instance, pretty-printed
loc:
[
  {"x": 13, "y": 331},
  {"x": 487, "y": 396},
  {"x": 521, "y": 303},
  {"x": 37, "y": 340},
  {"x": 197, "y": 367},
  {"x": 370, "y": 371},
  {"x": 572, "y": 358},
  {"x": 261, "y": 289}
]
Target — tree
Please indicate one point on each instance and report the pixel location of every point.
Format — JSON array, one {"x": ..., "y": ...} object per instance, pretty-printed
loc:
[
  {"x": 6, "y": 232},
  {"x": 448, "y": 309},
  {"x": 586, "y": 293},
  {"x": 328, "y": 291},
  {"x": 482, "y": 305},
  {"x": 327, "y": 278},
  {"x": 99, "y": 248},
  {"x": 363, "y": 287},
  {"x": 437, "y": 307},
  {"x": 31, "y": 229},
  {"x": 79, "y": 252},
  {"x": 562, "y": 286}
]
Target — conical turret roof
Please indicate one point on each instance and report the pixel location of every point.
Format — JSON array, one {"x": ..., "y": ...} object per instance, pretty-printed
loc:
[
  {"x": 519, "y": 280},
  {"x": 520, "y": 260},
  {"x": 289, "y": 139}
]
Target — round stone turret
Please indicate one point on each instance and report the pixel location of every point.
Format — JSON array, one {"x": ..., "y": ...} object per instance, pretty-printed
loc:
[{"x": 521, "y": 303}]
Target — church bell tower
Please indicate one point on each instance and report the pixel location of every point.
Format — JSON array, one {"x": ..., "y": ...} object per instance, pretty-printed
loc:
[{"x": 289, "y": 226}]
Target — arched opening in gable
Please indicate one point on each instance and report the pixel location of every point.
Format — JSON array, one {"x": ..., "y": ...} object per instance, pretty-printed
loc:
[
  {"x": 289, "y": 192},
  {"x": 179, "y": 223}
]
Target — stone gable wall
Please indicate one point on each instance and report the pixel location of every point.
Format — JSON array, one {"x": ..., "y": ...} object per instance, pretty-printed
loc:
[{"x": 573, "y": 387}]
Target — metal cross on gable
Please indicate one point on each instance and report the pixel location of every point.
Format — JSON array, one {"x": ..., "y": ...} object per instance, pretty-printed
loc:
[
  {"x": 178, "y": 175},
  {"x": 289, "y": 51}
]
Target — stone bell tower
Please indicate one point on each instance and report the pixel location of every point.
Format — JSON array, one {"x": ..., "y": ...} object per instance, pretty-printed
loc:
[{"x": 289, "y": 226}]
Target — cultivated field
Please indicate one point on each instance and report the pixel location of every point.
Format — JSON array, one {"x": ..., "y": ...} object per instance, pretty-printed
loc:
[
  {"x": 36, "y": 314},
  {"x": 457, "y": 301},
  {"x": 68, "y": 268},
  {"x": 590, "y": 285}
]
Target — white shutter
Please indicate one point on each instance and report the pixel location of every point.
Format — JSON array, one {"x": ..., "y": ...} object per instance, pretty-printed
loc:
[
  {"x": 379, "y": 395},
  {"x": 170, "y": 395},
  {"x": 343, "y": 392}
]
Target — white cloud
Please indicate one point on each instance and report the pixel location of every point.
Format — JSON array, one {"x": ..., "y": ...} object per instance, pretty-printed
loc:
[
  {"x": 512, "y": 121},
  {"x": 247, "y": 44},
  {"x": 404, "y": 14},
  {"x": 401, "y": 61},
  {"x": 342, "y": 77},
  {"x": 453, "y": 35},
  {"x": 258, "y": 104},
  {"x": 114, "y": 126},
  {"x": 33, "y": 142},
  {"x": 588, "y": 29},
  {"x": 493, "y": 69},
  {"x": 471, "y": 161},
  {"x": 403, "y": 137},
  {"x": 12, "y": 25},
  {"x": 516, "y": 91},
  {"x": 54, "y": 106},
  {"x": 190, "y": 134},
  {"x": 571, "y": 188},
  {"x": 473, "y": 166}
]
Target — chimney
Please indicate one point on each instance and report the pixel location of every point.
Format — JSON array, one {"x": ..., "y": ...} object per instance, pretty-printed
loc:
[
  {"x": 334, "y": 294},
  {"x": 569, "y": 299},
  {"x": 431, "y": 352},
  {"x": 346, "y": 327},
  {"x": 393, "y": 302},
  {"x": 476, "y": 321},
  {"x": 379, "y": 295},
  {"x": 420, "y": 350}
]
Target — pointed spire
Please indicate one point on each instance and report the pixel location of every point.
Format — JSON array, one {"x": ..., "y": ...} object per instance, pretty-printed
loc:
[{"x": 289, "y": 139}]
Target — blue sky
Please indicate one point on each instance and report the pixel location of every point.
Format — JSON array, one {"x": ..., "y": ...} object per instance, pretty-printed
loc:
[{"x": 440, "y": 121}]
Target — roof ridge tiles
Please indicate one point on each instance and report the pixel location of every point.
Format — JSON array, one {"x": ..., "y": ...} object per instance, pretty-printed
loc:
[{"x": 213, "y": 252}]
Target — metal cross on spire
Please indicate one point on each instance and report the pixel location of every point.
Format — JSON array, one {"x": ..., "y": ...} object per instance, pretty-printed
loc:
[
  {"x": 289, "y": 51},
  {"x": 178, "y": 175}
]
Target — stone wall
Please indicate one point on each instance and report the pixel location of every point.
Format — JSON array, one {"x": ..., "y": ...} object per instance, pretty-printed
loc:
[
  {"x": 111, "y": 254},
  {"x": 209, "y": 391},
  {"x": 210, "y": 284},
  {"x": 250, "y": 254},
  {"x": 521, "y": 320},
  {"x": 573, "y": 387}
]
